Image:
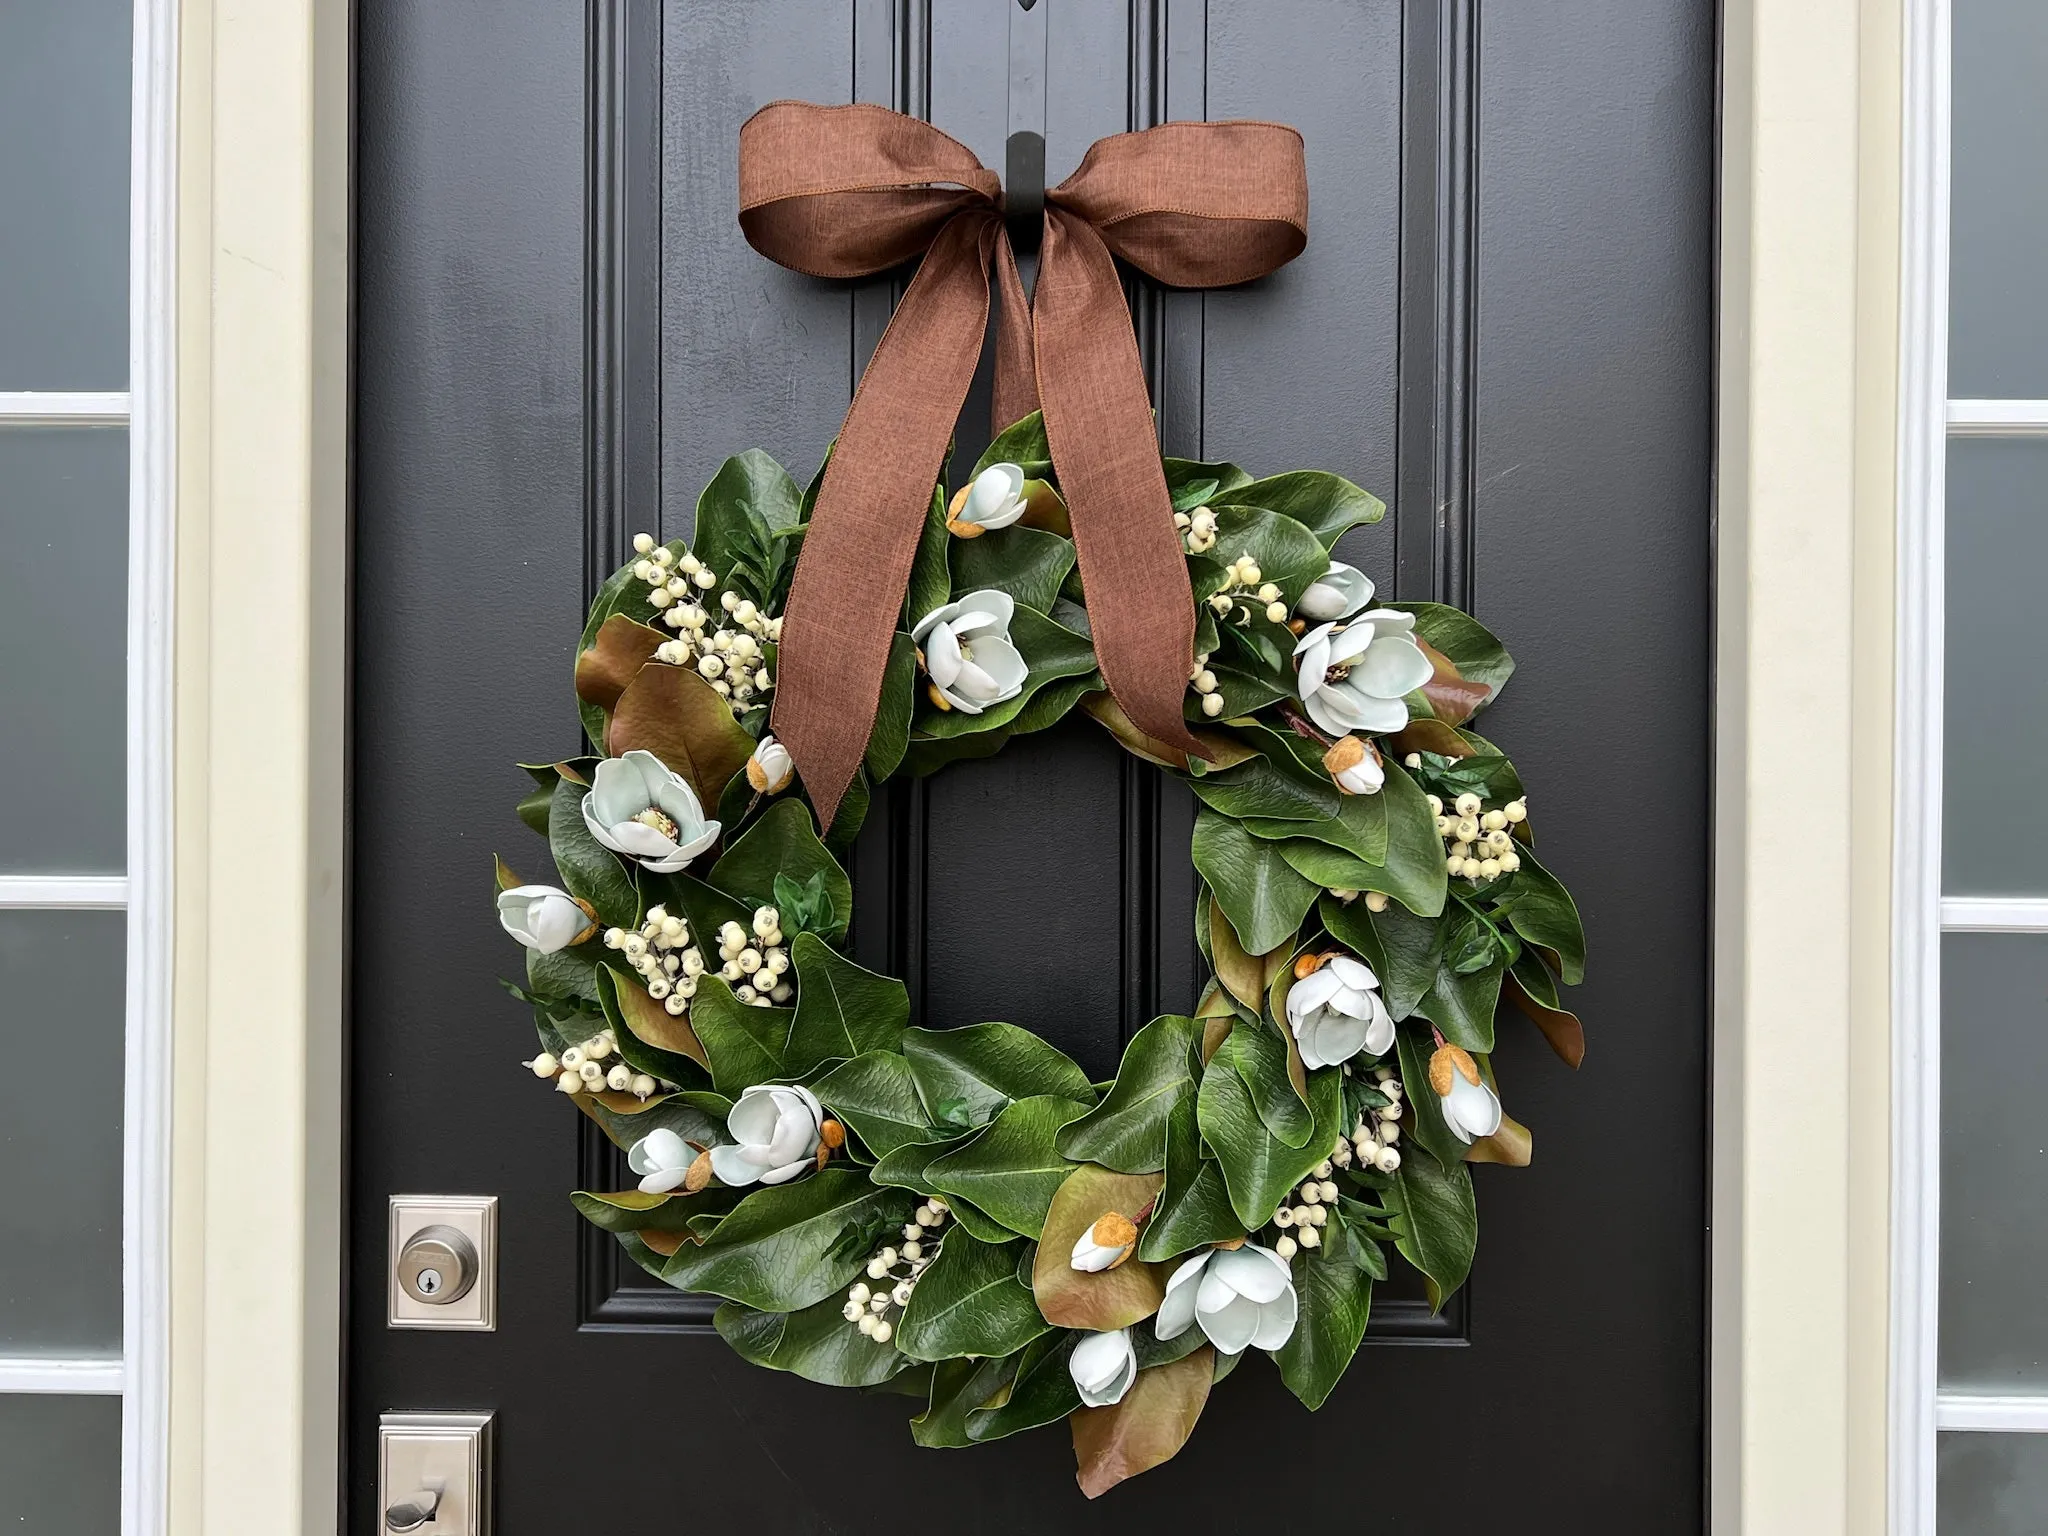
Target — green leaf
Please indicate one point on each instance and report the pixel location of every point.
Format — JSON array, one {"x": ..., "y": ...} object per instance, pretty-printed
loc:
[
  {"x": 1414, "y": 871},
  {"x": 1027, "y": 563},
  {"x": 743, "y": 1042},
  {"x": 1411, "y": 953},
  {"x": 1184, "y": 475},
  {"x": 1052, "y": 703},
  {"x": 968, "y": 1075},
  {"x": 1127, "y": 1130},
  {"x": 817, "y": 1343},
  {"x": 1435, "y": 1222},
  {"x": 1541, "y": 910},
  {"x": 1426, "y": 1109},
  {"x": 1050, "y": 651},
  {"x": 1258, "y": 1168},
  {"x": 1042, "y": 1392},
  {"x": 1335, "y": 1300},
  {"x": 724, "y": 536},
  {"x": 1194, "y": 1205},
  {"x": 842, "y": 1009},
  {"x": 891, "y": 732},
  {"x": 1259, "y": 788},
  {"x": 590, "y": 871},
  {"x": 1022, "y": 443},
  {"x": 1327, "y": 505},
  {"x": 783, "y": 1247},
  {"x": 1288, "y": 555},
  {"x": 1472, "y": 647},
  {"x": 784, "y": 841},
  {"x": 969, "y": 1302},
  {"x": 959, "y": 1387},
  {"x": 1354, "y": 1236},
  {"x": 632, "y": 1210},
  {"x": 1359, "y": 830},
  {"x": 649, "y": 1038},
  {"x": 1012, "y": 1169},
  {"x": 903, "y": 1166},
  {"x": 930, "y": 585},
  {"x": 874, "y": 1094},
  {"x": 1260, "y": 1056},
  {"x": 1258, "y": 890}
]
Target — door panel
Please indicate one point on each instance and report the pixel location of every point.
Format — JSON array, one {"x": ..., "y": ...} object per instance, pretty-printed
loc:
[{"x": 1501, "y": 323}]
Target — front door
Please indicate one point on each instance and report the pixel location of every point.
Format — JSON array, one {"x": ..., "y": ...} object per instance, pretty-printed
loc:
[{"x": 1501, "y": 324}]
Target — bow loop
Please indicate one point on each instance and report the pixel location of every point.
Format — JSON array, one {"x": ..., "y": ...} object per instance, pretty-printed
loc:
[{"x": 849, "y": 191}]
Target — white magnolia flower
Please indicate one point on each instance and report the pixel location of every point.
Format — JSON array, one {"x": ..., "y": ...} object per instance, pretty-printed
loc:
[
  {"x": 1103, "y": 1366},
  {"x": 541, "y": 917},
  {"x": 771, "y": 768},
  {"x": 1106, "y": 1244},
  {"x": 1335, "y": 1012},
  {"x": 1337, "y": 594},
  {"x": 1471, "y": 1109},
  {"x": 1239, "y": 1296},
  {"x": 1354, "y": 767},
  {"x": 662, "y": 1159},
  {"x": 967, "y": 652},
  {"x": 775, "y": 1130},
  {"x": 638, "y": 808},
  {"x": 993, "y": 499},
  {"x": 1354, "y": 677}
]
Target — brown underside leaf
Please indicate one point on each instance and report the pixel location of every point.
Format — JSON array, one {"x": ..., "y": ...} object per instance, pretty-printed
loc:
[
  {"x": 654, "y": 1025},
  {"x": 676, "y": 715},
  {"x": 1044, "y": 509},
  {"x": 622, "y": 648},
  {"x": 1449, "y": 694},
  {"x": 506, "y": 879},
  {"x": 1115, "y": 1298},
  {"x": 1562, "y": 1029},
  {"x": 1429, "y": 736},
  {"x": 665, "y": 1243},
  {"x": 619, "y": 1102},
  {"x": 1511, "y": 1145},
  {"x": 1225, "y": 751},
  {"x": 1147, "y": 1428}
]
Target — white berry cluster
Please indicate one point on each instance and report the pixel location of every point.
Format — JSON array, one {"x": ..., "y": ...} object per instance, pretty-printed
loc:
[
  {"x": 726, "y": 651},
  {"x": 1478, "y": 843},
  {"x": 757, "y": 963},
  {"x": 1373, "y": 1137},
  {"x": 661, "y": 951},
  {"x": 1301, "y": 1224},
  {"x": 896, "y": 1266},
  {"x": 1375, "y": 901},
  {"x": 1199, "y": 529},
  {"x": 1204, "y": 684},
  {"x": 582, "y": 1069},
  {"x": 1248, "y": 590}
]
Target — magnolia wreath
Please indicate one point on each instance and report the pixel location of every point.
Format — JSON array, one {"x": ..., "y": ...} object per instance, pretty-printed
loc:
[{"x": 958, "y": 1213}]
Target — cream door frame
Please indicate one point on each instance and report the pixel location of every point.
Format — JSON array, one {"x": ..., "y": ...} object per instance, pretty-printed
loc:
[{"x": 1807, "y": 465}]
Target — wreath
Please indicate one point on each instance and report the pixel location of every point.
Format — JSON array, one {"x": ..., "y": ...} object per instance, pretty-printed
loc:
[{"x": 959, "y": 1213}]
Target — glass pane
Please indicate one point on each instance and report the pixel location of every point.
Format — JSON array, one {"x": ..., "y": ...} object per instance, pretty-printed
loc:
[
  {"x": 1993, "y": 844},
  {"x": 1991, "y": 1485},
  {"x": 62, "y": 976},
  {"x": 1998, "y": 313},
  {"x": 63, "y": 623},
  {"x": 64, "y": 194},
  {"x": 60, "y": 1465},
  {"x": 1994, "y": 1151}
]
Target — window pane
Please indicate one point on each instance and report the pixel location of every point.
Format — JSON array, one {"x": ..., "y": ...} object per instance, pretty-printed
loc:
[
  {"x": 1994, "y": 1161},
  {"x": 1998, "y": 341},
  {"x": 1991, "y": 1485},
  {"x": 60, "y": 1465},
  {"x": 62, "y": 975},
  {"x": 1993, "y": 841},
  {"x": 63, "y": 626},
  {"x": 64, "y": 67}
]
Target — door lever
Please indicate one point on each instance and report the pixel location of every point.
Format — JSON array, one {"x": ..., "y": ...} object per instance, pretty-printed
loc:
[{"x": 412, "y": 1512}]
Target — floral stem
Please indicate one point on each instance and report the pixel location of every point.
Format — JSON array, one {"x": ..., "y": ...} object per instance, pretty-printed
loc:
[{"x": 1301, "y": 725}]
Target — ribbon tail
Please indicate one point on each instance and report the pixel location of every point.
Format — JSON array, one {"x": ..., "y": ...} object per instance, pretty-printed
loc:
[
  {"x": 847, "y": 593},
  {"x": 1098, "y": 422},
  {"x": 1015, "y": 395}
]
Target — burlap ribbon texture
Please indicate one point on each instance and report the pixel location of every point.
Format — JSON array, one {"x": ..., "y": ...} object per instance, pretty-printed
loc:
[{"x": 849, "y": 191}]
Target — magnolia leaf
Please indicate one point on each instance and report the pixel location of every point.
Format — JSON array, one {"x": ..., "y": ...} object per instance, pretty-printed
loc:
[
  {"x": 1261, "y": 894},
  {"x": 1223, "y": 751},
  {"x": 969, "y": 1302},
  {"x": 977, "y": 1221},
  {"x": 1327, "y": 505},
  {"x": 1243, "y": 976},
  {"x": 625, "y": 1123},
  {"x": 782, "y": 1247},
  {"x": 1042, "y": 1391},
  {"x": 1012, "y": 1169},
  {"x": 633, "y": 1210},
  {"x": 783, "y": 842},
  {"x": 1147, "y": 1428},
  {"x": 1424, "y": 1121},
  {"x": 1110, "y": 1298},
  {"x": 1258, "y": 1168},
  {"x": 749, "y": 488},
  {"x": 1023, "y": 444},
  {"x": 603, "y": 669},
  {"x": 1335, "y": 1300},
  {"x": 590, "y": 871},
  {"x": 1530, "y": 987},
  {"x": 1358, "y": 827},
  {"x": 1289, "y": 556},
  {"x": 968, "y": 1075},
  {"x": 1220, "y": 477},
  {"x": 1257, "y": 788},
  {"x": 1436, "y": 1225},
  {"x": 930, "y": 586},
  {"x": 1127, "y": 1130},
  {"x": 676, "y": 715},
  {"x": 958, "y": 1389},
  {"x": 842, "y": 1009},
  {"x": 904, "y": 1165},
  {"x": 624, "y": 595},
  {"x": 816, "y": 1343},
  {"x": 507, "y": 880},
  {"x": 742, "y": 1043},
  {"x": 1193, "y": 1208},
  {"x": 874, "y": 1093},
  {"x": 1261, "y": 1057},
  {"x": 1025, "y": 562},
  {"x": 890, "y": 736},
  {"x": 652, "y": 1039},
  {"x": 1541, "y": 910}
]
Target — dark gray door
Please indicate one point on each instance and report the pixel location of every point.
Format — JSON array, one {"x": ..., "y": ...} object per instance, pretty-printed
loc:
[{"x": 1502, "y": 323}]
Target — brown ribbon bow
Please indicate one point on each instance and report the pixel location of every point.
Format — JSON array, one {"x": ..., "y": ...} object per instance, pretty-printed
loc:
[{"x": 845, "y": 192}]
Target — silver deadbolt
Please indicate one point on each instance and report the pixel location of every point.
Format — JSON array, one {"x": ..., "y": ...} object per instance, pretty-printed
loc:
[{"x": 438, "y": 1266}]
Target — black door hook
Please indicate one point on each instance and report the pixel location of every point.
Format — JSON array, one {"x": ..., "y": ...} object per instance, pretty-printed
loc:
[{"x": 1024, "y": 188}]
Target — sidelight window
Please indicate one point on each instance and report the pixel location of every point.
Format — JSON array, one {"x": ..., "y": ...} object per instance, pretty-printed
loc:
[{"x": 85, "y": 92}]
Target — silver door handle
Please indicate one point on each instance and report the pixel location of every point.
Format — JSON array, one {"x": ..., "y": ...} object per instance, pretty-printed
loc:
[{"x": 413, "y": 1512}]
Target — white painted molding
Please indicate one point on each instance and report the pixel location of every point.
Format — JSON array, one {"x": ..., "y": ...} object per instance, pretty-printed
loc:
[
  {"x": 63, "y": 891},
  {"x": 2000, "y": 1415},
  {"x": 1994, "y": 914},
  {"x": 103, "y": 1378},
  {"x": 1998, "y": 418},
  {"x": 49, "y": 408},
  {"x": 1916, "y": 817}
]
